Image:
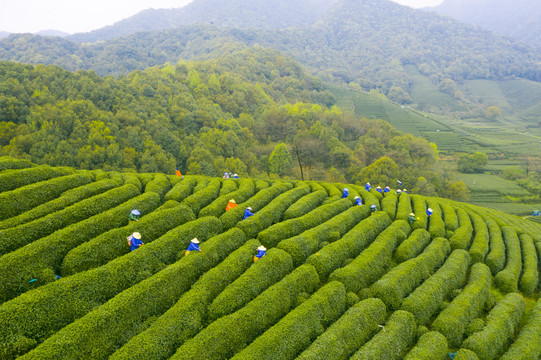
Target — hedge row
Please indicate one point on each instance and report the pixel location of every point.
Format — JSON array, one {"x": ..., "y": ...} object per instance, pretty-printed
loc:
[
  {"x": 315, "y": 186},
  {"x": 333, "y": 255},
  {"x": 38, "y": 315},
  {"x": 401, "y": 280},
  {"x": 182, "y": 189},
  {"x": 30, "y": 196},
  {"x": 305, "y": 204},
  {"x": 230, "y": 334},
  {"x": 412, "y": 246},
  {"x": 160, "y": 185},
  {"x": 404, "y": 209},
  {"x": 453, "y": 321},
  {"x": 228, "y": 186},
  {"x": 304, "y": 323},
  {"x": 374, "y": 261},
  {"x": 528, "y": 343},
  {"x": 369, "y": 198},
  {"x": 309, "y": 242},
  {"x": 436, "y": 227},
  {"x": 112, "y": 244},
  {"x": 217, "y": 207},
  {"x": 507, "y": 279},
  {"x": 202, "y": 182},
  {"x": 462, "y": 237},
  {"x": 264, "y": 273},
  {"x": 479, "y": 246},
  {"x": 389, "y": 205},
  {"x": 273, "y": 212},
  {"x": 10, "y": 163},
  {"x": 465, "y": 354},
  {"x": 124, "y": 316},
  {"x": 199, "y": 199},
  {"x": 68, "y": 198},
  {"x": 353, "y": 329},
  {"x": 271, "y": 236},
  {"x": 13, "y": 179},
  {"x": 449, "y": 215},
  {"x": 16, "y": 237},
  {"x": 501, "y": 324},
  {"x": 43, "y": 257},
  {"x": 145, "y": 178},
  {"x": 430, "y": 346},
  {"x": 188, "y": 316},
  {"x": 331, "y": 189},
  {"x": 419, "y": 209},
  {"x": 393, "y": 342},
  {"x": 132, "y": 178},
  {"x": 530, "y": 275},
  {"x": 496, "y": 256},
  {"x": 260, "y": 185},
  {"x": 425, "y": 301},
  {"x": 256, "y": 202}
]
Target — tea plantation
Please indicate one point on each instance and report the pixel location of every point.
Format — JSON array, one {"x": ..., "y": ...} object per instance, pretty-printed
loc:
[{"x": 337, "y": 282}]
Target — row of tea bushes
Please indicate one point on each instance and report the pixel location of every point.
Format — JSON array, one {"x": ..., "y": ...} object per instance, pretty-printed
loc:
[
  {"x": 245, "y": 190},
  {"x": 430, "y": 346},
  {"x": 528, "y": 343},
  {"x": 412, "y": 246},
  {"x": 305, "y": 204},
  {"x": 13, "y": 179},
  {"x": 507, "y": 279}
]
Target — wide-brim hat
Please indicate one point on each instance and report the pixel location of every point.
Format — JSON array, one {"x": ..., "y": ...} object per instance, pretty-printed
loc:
[
  {"x": 346, "y": 189},
  {"x": 412, "y": 214},
  {"x": 356, "y": 197},
  {"x": 249, "y": 208},
  {"x": 136, "y": 235},
  {"x": 195, "y": 241},
  {"x": 135, "y": 212},
  {"x": 262, "y": 248},
  {"x": 233, "y": 201}
]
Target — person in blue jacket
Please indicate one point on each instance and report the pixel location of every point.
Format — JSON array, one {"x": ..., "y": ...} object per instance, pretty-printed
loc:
[
  {"x": 345, "y": 193},
  {"x": 261, "y": 251},
  {"x": 387, "y": 189},
  {"x": 247, "y": 213},
  {"x": 194, "y": 246},
  {"x": 378, "y": 189},
  {"x": 134, "y": 241},
  {"x": 367, "y": 186},
  {"x": 358, "y": 201},
  {"x": 428, "y": 214}
]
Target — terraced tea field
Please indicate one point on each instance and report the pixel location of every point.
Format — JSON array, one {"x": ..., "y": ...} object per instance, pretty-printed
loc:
[{"x": 337, "y": 281}]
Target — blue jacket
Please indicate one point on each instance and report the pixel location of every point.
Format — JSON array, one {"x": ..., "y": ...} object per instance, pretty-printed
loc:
[
  {"x": 345, "y": 193},
  {"x": 247, "y": 214},
  {"x": 135, "y": 243},
  {"x": 428, "y": 212},
  {"x": 193, "y": 247},
  {"x": 358, "y": 201},
  {"x": 260, "y": 253},
  {"x": 367, "y": 187}
]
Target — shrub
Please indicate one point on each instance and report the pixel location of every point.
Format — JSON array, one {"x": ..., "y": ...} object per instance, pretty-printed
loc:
[
  {"x": 425, "y": 301},
  {"x": 200, "y": 199},
  {"x": 419, "y": 208},
  {"x": 182, "y": 189},
  {"x": 528, "y": 343},
  {"x": 496, "y": 256},
  {"x": 396, "y": 284},
  {"x": 465, "y": 354},
  {"x": 145, "y": 178},
  {"x": 372, "y": 263},
  {"x": 273, "y": 212},
  {"x": 160, "y": 185},
  {"x": 463, "y": 234},
  {"x": 229, "y": 334},
  {"x": 392, "y": 343},
  {"x": 479, "y": 247},
  {"x": 271, "y": 236},
  {"x": 333, "y": 256},
  {"x": 260, "y": 185},
  {"x": 501, "y": 324},
  {"x": 354, "y": 329},
  {"x": 507, "y": 279},
  {"x": 187, "y": 317},
  {"x": 404, "y": 208},
  {"x": 369, "y": 198},
  {"x": 431, "y": 346},
  {"x": 13, "y": 179},
  {"x": 112, "y": 244},
  {"x": 68, "y": 198},
  {"x": 123, "y": 316},
  {"x": 45, "y": 255},
  {"x": 412, "y": 246},
  {"x": 331, "y": 189},
  {"x": 307, "y": 243},
  {"x": 303, "y": 324},
  {"x": 30, "y": 196},
  {"x": 530, "y": 275},
  {"x": 453, "y": 321},
  {"x": 389, "y": 205},
  {"x": 38, "y": 315},
  {"x": 16, "y": 237},
  {"x": 131, "y": 178},
  {"x": 228, "y": 186},
  {"x": 436, "y": 225},
  {"x": 449, "y": 215},
  {"x": 263, "y": 274},
  {"x": 9, "y": 163},
  {"x": 217, "y": 207},
  {"x": 305, "y": 204}
]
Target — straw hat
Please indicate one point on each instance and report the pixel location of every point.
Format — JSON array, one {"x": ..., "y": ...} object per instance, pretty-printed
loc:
[
  {"x": 412, "y": 214},
  {"x": 356, "y": 197},
  {"x": 195, "y": 241},
  {"x": 262, "y": 248},
  {"x": 136, "y": 235},
  {"x": 135, "y": 212},
  {"x": 233, "y": 201},
  {"x": 346, "y": 189}
]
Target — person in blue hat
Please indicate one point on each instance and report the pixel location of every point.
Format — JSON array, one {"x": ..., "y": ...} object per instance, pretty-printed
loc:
[
  {"x": 134, "y": 241},
  {"x": 134, "y": 215},
  {"x": 345, "y": 193},
  {"x": 247, "y": 213},
  {"x": 261, "y": 251},
  {"x": 358, "y": 201},
  {"x": 194, "y": 246}
]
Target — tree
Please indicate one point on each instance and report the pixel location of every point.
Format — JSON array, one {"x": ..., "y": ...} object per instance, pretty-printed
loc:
[
  {"x": 382, "y": 171},
  {"x": 474, "y": 163},
  {"x": 493, "y": 113},
  {"x": 280, "y": 160}
]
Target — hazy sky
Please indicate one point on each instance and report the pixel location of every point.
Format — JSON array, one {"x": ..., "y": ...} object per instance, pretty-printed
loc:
[{"x": 81, "y": 16}]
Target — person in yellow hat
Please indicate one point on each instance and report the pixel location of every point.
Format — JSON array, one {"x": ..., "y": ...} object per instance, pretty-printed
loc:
[
  {"x": 134, "y": 241},
  {"x": 261, "y": 251},
  {"x": 194, "y": 246},
  {"x": 231, "y": 204}
]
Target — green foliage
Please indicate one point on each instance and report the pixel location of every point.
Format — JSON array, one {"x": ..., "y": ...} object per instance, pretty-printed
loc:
[
  {"x": 13, "y": 179},
  {"x": 474, "y": 163},
  {"x": 182, "y": 189},
  {"x": 462, "y": 236},
  {"x": 305, "y": 204},
  {"x": 9, "y": 163},
  {"x": 217, "y": 207},
  {"x": 465, "y": 354},
  {"x": 202, "y": 198},
  {"x": 412, "y": 246},
  {"x": 530, "y": 275},
  {"x": 431, "y": 345},
  {"x": 501, "y": 324},
  {"x": 280, "y": 160},
  {"x": 507, "y": 279},
  {"x": 496, "y": 256},
  {"x": 160, "y": 185},
  {"x": 389, "y": 204},
  {"x": 528, "y": 343},
  {"x": 353, "y": 329},
  {"x": 392, "y": 343},
  {"x": 480, "y": 242}
]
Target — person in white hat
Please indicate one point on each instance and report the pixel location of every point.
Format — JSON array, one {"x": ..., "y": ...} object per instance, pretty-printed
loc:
[
  {"x": 261, "y": 251},
  {"x": 411, "y": 218},
  {"x": 247, "y": 213},
  {"x": 134, "y": 241},
  {"x": 194, "y": 246},
  {"x": 345, "y": 193},
  {"x": 358, "y": 201}
]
